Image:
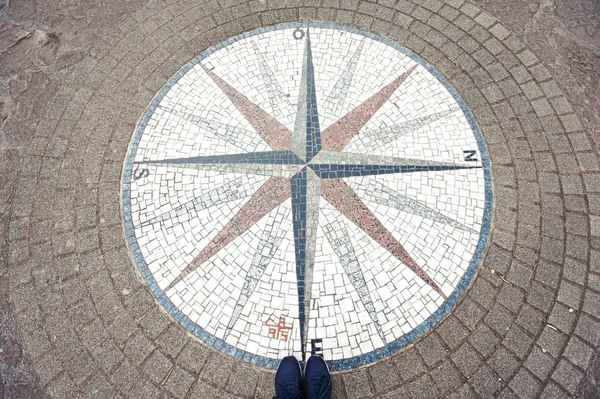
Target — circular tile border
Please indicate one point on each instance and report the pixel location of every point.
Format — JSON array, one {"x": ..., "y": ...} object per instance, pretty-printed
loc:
[
  {"x": 65, "y": 216},
  {"x": 334, "y": 365}
]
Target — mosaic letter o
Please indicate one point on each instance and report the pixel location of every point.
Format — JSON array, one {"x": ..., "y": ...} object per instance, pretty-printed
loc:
[{"x": 284, "y": 188}]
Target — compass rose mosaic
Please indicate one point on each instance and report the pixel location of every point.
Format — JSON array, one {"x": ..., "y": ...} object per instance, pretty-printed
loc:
[{"x": 307, "y": 188}]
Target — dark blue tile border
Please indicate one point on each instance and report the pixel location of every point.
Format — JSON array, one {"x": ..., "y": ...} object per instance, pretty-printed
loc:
[{"x": 334, "y": 365}]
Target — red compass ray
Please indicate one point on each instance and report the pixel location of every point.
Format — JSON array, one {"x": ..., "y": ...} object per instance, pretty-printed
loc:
[
  {"x": 270, "y": 195},
  {"x": 339, "y": 134},
  {"x": 341, "y": 196},
  {"x": 277, "y": 190},
  {"x": 277, "y": 136}
]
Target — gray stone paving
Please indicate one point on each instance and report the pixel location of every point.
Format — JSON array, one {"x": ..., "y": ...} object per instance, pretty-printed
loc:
[{"x": 77, "y": 320}]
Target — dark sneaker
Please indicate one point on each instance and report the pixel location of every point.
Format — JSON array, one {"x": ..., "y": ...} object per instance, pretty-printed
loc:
[
  {"x": 288, "y": 380},
  {"x": 317, "y": 380}
]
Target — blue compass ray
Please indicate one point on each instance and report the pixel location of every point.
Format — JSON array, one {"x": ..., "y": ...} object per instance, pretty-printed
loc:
[
  {"x": 306, "y": 188},
  {"x": 299, "y": 188},
  {"x": 313, "y": 174},
  {"x": 284, "y": 157},
  {"x": 335, "y": 171},
  {"x": 306, "y": 192},
  {"x": 299, "y": 137},
  {"x": 307, "y": 133},
  {"x": 355, "y": 158},
  {"x": 262, "y": 169},
  {"x": 313, "y": 132}
]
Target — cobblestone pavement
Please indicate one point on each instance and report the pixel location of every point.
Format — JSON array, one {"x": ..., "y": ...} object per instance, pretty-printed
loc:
[{"x": 78, "y": 321}]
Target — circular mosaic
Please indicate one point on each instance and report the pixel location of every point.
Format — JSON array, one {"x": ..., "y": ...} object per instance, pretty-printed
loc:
[{"x": 307, "y": 189}]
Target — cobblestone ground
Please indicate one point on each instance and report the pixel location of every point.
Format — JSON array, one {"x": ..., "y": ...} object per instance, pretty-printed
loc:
[{"x": 77, "y": 321}]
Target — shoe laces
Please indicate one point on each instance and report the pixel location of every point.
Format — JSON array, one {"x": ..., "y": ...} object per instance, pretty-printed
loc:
[
  {"x": 318, "y": 386},
  {"x": 290, "y": 387}
]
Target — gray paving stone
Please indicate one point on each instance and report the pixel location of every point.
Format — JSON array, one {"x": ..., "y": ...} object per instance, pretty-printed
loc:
[
  {"x": 518, "y": 342},
  {"x": 577, "y": 247},
  {"x": 574, "y": 271},
  {"x": 265, "y": 387},
  {"x": 507, "y": 393},
  {"x": 578, "y": 352},
  {"x": 539, "y": 363},
  {"x": 48, "y": 368},
  {"x": 203, "y": 390},
  {"x": 108, "y": 356},
  {"x": 219, "y": 373},
  {"x": 553, "y": 391},
  {"x": 587, "y": 161},
  {"x": 499, "y": 319},
  {"x": 69, "y": 218},
  {"x": 140, "y": 303},
  {"x": 521, "y": 74},
  {"x": 448, "y": 12},
  {"x": 509, "y": 87},
  {"x": 97, "y": 387},
  {"x": 172, "y": 340},
  {"x": 399, "y": 392},
  {"x": 193, "y": 357},
  {"x": 552, "y": 341},
  {"x": 485, "y": 382},
  {"x": 157, "y": 367},
  {"x": 483, "y": 292},
  {"x": 180, "y": 381},
  {"x": 409, "y": 364},
  {"x": 587, "y": 328},
  {"x": 421, "y": 14},
  {"x": 524, "y": 384},
  {"x": 484, "y": 340},
  {"x": 357, "y": 384},
  {"x": 384, "y": 376},
  {"x": 562, "y": 317},
  {"x": 81, "y": 367},
  {"x": 466, "y": 359},
  {"x": 431, "y": 349},
  {"x": 469, "y": 313},
  {"x": 124, "y": 377},
  {"x": 503, "y": 363},
  {"x": 143, "y": 391},
  {"x": 62, "y": 387},
  {"x": 138, "y": 348},
  {"x": 338, "y": 387},
  {"x": 567, "y": 376},
  {"x": 527, "y": 57},
  {"x": 463, "y": 392},
  {"x": 561, "y": 145},
  {"x": 421, "y": 388},
  {"x": 592, "y": 182},
  {"x": 446, "y": 377},
  {"x": 570, "y": 294},
  {"x": 452, "y": 332},
  {"x": 243, "y": 381},
  {"x": 511, "y": 297}
]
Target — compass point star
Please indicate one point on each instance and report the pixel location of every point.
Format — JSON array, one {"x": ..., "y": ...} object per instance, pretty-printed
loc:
[{"x": 306, "y": 165}]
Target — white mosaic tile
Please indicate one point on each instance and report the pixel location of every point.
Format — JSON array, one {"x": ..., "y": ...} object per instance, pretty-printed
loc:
[{"x": 287, "y": 190}]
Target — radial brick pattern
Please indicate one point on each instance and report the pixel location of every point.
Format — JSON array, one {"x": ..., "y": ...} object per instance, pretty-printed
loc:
[{"x": 527, "y": 325}]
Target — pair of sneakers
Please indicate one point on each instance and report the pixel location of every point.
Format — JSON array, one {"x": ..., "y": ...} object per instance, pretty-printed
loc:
[{"x": 288, "y": 380}]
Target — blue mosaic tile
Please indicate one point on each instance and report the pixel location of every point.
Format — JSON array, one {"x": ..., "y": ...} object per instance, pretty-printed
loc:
[{"x": 302, "y": 210}]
